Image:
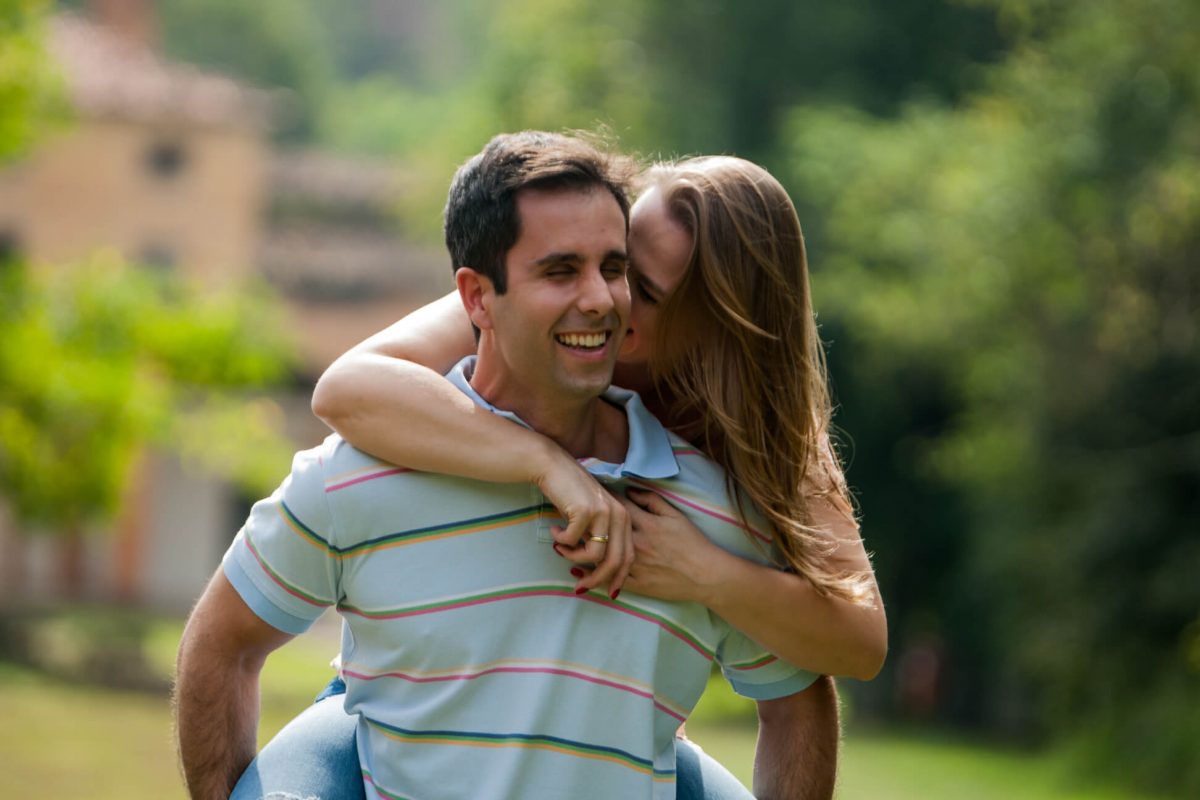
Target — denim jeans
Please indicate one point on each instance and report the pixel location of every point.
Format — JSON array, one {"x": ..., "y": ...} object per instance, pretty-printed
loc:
[{"x": 315, "y": 757}]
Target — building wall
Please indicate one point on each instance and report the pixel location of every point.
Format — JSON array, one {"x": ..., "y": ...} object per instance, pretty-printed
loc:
[
  {"x": 191, "y": 522},
  {"x": 189, "y": 198}
]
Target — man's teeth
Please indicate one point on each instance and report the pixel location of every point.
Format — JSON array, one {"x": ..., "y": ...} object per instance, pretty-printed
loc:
[{"x": 582, "y": 339}]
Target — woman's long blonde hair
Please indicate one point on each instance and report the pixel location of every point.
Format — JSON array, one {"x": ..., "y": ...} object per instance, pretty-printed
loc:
[{"x": 750, "y": 377}]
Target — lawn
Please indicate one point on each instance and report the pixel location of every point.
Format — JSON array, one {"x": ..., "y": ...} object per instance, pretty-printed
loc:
[
  {"x": 61, "y": 739},
  {"x": 889, "y": 765}
]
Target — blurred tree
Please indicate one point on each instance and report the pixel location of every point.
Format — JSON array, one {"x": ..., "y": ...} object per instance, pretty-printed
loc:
[
  {"x": 31, "y": 96},
  {"x": 99, "y": 360},
  {"x": 716, "y": 78},
  {"x": 414, "y": 43},
  {"x": 549, "y": 64},
  {"x": 728, "y": 71},
  {"x": 274, "y": 44},
  {"x": 1025, "y": 266}
]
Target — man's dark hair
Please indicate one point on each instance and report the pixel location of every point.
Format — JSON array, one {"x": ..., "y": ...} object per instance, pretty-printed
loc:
[{"x": 481, "y": 219}]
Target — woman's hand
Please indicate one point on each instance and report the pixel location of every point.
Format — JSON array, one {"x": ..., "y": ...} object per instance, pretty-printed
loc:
[
  {"x": 673, "y": 560},
  {"x": 597, "y": 531}
]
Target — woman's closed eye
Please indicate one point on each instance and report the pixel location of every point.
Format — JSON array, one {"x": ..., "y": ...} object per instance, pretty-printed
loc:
[{"x": 644, "y": 293}]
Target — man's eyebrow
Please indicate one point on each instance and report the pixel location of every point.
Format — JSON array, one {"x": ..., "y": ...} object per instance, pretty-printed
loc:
[
  {"x": 568, "y": 257},
  {"x": 557, "y": 258}
]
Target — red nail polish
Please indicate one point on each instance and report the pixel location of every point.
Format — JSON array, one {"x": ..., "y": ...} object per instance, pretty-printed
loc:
[
  {"x": 616, "y": 593},
  {"x": 581, "y": 590},
  {"x": 576, "y": 572}
]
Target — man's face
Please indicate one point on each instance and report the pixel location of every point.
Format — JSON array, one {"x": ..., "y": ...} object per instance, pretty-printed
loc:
[{"x": 560, "y": 325}]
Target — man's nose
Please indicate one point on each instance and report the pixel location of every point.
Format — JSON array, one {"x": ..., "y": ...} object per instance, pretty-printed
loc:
[{"x": 595, "y": 293}]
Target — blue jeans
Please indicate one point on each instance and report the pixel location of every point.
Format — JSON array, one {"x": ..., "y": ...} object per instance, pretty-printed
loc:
[{"x": 315, "y": 757}]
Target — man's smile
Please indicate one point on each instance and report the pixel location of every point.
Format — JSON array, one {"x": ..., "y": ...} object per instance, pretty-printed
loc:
[{"x": 588, "y": 342}]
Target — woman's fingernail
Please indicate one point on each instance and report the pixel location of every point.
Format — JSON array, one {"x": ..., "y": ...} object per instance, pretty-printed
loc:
[
  {"x": 576, "y": 572},
  {"x": 615, "y": 594},
  {"x": 581, "y": 590}
]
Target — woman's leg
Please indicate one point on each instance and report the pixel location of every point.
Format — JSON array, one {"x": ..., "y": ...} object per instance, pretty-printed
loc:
[
  {"x": 314, "y": 757},
  {"x": 698, "y": 776}
]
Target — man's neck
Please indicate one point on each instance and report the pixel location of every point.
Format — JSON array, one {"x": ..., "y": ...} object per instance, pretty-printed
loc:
[
  {"x": 584, "y": 427},
  {"x": 588, "y": 431}
]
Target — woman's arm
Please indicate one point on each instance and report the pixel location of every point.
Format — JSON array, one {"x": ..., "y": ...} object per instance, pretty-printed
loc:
[
  {"x": 387, "y": 397},
  {"x": 780, "y": 610}
]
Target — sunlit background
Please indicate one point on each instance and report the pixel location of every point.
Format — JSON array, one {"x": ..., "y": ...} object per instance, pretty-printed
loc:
[{"x": 203, "y": 202}]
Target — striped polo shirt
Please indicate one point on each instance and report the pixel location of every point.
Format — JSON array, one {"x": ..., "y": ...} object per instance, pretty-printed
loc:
[{"x": 477, "y": 671}]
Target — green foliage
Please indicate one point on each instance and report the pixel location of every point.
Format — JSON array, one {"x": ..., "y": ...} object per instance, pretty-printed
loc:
[
  {"x": 526, "y": 72},
  {"x": 31, "y": 96},
  {"x": 99, "y": 360},
  {"x": 728, "y": 72},
  {"x": 1032, "y": 255},
  {"x": 716, "y": 77},
  {"x": 274, "y": 44}
]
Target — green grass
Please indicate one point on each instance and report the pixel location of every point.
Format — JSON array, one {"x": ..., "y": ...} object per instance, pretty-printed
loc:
[
  {"x": 928, "y": 767},
  {"x": 890, "y": 765},
  {"x": 895, "y": 765},
  {"x": 59, "y": 740},
  {"x": 63, "y": 739}
]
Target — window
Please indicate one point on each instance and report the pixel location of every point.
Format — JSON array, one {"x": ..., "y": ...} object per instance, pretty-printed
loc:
[
  {"x": 166, "y": 159},
  {"x": 10, "y": 246},
  {"x": 158, "y": 257}
]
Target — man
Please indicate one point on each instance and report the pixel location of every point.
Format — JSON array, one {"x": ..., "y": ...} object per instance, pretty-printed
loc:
[{"x": 475, "y": 669}]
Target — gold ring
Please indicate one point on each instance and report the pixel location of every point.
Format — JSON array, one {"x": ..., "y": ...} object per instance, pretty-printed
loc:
[{"x": 598, "y": 539}]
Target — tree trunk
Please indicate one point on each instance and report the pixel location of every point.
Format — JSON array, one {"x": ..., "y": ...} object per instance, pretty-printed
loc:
[
  {"x": 72, "y": 563},
  {"x": 12, "y": 558}
]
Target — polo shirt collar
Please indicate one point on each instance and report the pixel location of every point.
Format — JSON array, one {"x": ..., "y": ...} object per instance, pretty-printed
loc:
[{"x": 649, "y": 455}]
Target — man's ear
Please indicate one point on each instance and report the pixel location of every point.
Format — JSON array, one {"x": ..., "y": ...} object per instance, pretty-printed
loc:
[{"x": 477, "y": 292}]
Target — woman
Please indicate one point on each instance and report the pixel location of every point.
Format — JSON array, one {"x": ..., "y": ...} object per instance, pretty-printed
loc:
[{"x": 723, "y": 348}]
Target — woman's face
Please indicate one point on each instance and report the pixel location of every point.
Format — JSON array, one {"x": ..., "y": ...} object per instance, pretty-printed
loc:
[{"x": 659, "y": 251}]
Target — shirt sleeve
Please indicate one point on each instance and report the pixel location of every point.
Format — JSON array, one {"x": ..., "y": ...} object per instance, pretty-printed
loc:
[
  {"x": 755, "y": 673},
  {"x": 283, "y": 561}
]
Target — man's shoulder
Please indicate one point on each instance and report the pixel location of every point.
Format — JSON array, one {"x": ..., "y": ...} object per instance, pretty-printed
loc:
[
  {"x": 703, "y": 492},
  {"x": 335, "y": 461},
  {"x": 696, "y": 469},
  {"x": 334, "y": 490},
  {"x": 350, "y": 477}
]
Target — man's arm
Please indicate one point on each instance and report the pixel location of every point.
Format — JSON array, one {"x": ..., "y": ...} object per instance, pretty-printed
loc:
[
  {"x": 216, "y": 689},
  {"x": 798, "y": 745}
]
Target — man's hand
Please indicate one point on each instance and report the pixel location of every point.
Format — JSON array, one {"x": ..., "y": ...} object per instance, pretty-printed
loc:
[
  {"x": 216, "y": 689},
  {"x": 798, "y": 740}
]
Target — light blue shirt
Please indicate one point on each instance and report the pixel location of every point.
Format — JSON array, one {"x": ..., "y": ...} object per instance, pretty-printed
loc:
[{"x": 475, "y": 668}]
